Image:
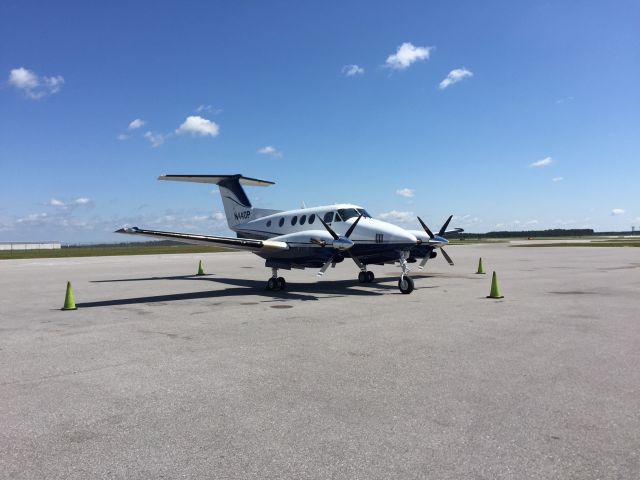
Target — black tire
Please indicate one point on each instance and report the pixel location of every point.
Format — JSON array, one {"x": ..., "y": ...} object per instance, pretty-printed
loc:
[
  {"x": 405, "y": 284},
  {"x": 282, "y": 284},
  {"x": 272, "y": 284},
  {"x": 370, "y": 277}
]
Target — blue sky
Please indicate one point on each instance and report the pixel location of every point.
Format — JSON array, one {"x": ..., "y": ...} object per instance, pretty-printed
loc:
[{"x": 349, "y": 96}]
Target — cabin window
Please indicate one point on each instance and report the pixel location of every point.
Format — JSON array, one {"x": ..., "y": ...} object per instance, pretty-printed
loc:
[
  {"x": 328, "y": 217},
  {"x": 268, "y": 223},
  {"x": 294, "y": 220},
  {"x": 312, "y": 218},
  {"x": 281, "y": 222},
  {"x": 303, "y": 219},
  {"x": 347, "y": 213}
]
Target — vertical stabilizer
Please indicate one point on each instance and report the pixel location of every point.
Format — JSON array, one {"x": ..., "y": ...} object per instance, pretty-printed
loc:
[{"x": 237, "y": 206}]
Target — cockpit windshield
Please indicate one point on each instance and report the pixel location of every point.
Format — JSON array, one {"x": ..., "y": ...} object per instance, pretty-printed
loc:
[
  {"x": 364, "y": 213},
  {"x": 347, "y": 213}
]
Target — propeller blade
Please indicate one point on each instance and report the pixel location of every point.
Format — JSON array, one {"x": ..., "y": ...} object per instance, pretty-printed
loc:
[
  {"x": 352, "y": 227},
  {"x": 325, "y": 266},
  {"x": 444, "y": 227},
  {"x": 426, "y": 229},
  {"x": 356, "y": 260},
  {"x": 329, "y": 229},
  {"x": 423, "y": 262},
  {"x": 446, "y": 256}
]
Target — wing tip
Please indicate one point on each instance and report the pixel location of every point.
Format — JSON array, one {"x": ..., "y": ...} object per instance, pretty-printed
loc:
[{"x": 127, "y": 230}]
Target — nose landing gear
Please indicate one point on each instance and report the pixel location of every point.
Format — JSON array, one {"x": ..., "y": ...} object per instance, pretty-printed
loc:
[{"x": 405, "y": 284}]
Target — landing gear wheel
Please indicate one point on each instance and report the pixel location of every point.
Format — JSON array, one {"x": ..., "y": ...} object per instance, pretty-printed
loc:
[
  {"x": 272, "y": 284},
  {"x": 282, "y": 284},
  {"x": 362, "y": 277},
  {"x": 370, "y": 277},
  {"x": 405, "y": 284}
]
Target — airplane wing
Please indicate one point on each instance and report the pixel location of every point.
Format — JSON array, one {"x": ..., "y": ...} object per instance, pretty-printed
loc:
[{"x": 228, "y": 242}]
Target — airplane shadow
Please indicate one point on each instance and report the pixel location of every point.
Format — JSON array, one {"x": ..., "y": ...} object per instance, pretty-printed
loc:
[{"x": 241, "y": 287}]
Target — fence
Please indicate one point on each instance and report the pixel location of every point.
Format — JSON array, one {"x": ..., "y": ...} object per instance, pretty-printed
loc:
[{"x": 4, "y": 246}]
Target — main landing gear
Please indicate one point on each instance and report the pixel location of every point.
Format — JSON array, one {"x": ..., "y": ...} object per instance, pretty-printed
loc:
[
  {"x": 366, "y": 277},
  {"x": 276, "y": 282}
]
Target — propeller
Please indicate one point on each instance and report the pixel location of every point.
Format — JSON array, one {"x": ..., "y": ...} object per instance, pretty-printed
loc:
[
  {"x": 437, "y": 241},
  {"x": 340, "y": 243}
]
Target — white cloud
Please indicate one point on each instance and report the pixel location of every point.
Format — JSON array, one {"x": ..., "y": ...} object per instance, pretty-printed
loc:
[
  {"x": 396, "y": 216},
  {"x": 406, "y": 192},
  {"x": 407, "y": 54},
  {"x": 137, "y": 123},
  {"x": 34, "y": 219},
  {"x": 156, "y": 139},
  {"x": 219, "y": 216},
  {"x": 565, "y": 99},
  {"x": 32, "y": 85},
  {"x": 545, "y": 162},
  {"x": 54, "y": 202},
  {"x": 466, "y": 220},
  {"x": 122, "y": 136},
  {"x": 617, "y": 211},
  {"x": 198, "y": 126},
  {"x": 54, "y": 84},
  {"x": 454, "y": 76},
  {"x": 271, "y": 151},
  {"x": 557, "y": 179},
  {"x": 531, "y": 222},
  {"x": 352, "y": 70},
  {"x": 208, "y": 109},
  {"x": 23, "y": 78}
]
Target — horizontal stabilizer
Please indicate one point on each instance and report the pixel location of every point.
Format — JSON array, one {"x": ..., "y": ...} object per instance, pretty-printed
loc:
[{"x": 217, "y": 179}]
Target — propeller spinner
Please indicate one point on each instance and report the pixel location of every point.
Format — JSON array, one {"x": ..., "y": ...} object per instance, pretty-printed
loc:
[
  {"x": 437, "y": 241},
  {"x": 340, "y": 243}
]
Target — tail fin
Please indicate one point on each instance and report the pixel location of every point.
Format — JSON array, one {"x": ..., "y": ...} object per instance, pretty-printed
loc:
[{"x": 237, "y": 206}]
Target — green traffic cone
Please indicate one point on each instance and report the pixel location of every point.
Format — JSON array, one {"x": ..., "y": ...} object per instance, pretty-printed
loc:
[
  {"x": 480, "y": 268},
  {"x": 69, "y": 302},
  {"x": 495, "y": 289},
  {"x": 200, "y": 270}
]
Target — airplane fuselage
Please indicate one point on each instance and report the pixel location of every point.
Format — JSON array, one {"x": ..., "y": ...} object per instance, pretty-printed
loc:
[{"x": 375, "y": 241}]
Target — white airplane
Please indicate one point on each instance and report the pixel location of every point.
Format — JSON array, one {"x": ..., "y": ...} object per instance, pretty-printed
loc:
[{"x": 317, "y": 237}]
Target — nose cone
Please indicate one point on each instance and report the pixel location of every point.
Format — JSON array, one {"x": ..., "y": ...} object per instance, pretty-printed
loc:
[{"x": 390, "y": 233}]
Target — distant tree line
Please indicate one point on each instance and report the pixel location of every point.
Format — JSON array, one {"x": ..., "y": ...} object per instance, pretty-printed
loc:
[{"x": 554, "y": 232}]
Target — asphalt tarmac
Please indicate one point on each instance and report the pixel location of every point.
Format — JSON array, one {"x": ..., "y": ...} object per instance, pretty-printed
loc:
[{"x": 162, "y": 374}]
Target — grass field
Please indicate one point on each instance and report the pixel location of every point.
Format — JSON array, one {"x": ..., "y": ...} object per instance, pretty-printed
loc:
[
  {"x": 596, "y": 242},
  {"x": 151, "y": 249},
  {"x": 105, "y": 250}
]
